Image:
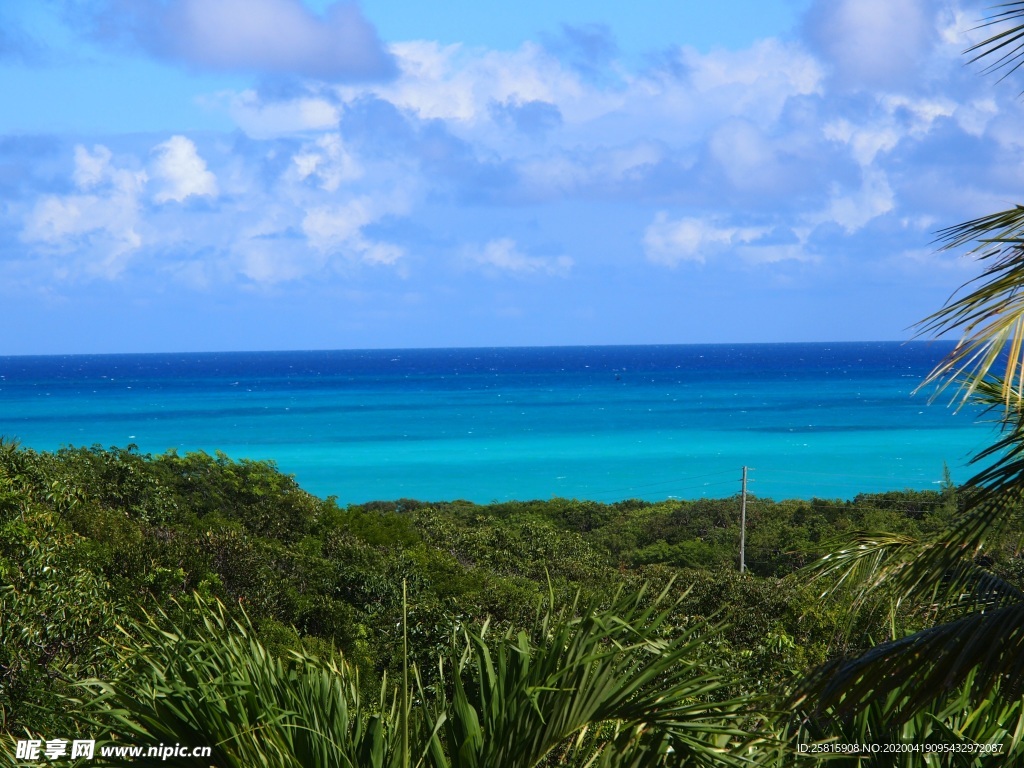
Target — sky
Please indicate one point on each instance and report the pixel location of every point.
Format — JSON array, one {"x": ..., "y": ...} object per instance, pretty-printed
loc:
[{"x": 199, "y": 175}]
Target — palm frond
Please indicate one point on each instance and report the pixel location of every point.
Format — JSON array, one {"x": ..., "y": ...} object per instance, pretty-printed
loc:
[
  {"x": 957, "y": 719},
  {"x": 1006, "y": 45},
  {"x": 981, "y": 613},
  {"x": 216, "y": 685},
  {"x": 940, "y": 574},
  {"x": 622, "y": 686},
  {"x": 651, "y": 686},
  {"x": 920, "y": 669},
  {"x": 990, "y": 317}
]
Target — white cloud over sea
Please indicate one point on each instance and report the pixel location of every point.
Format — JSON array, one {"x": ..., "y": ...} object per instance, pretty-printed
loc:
[{"x": 560, "y": 159}]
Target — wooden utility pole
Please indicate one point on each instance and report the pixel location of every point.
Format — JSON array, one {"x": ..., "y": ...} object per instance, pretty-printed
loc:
[{"x": 743, "y": 523}]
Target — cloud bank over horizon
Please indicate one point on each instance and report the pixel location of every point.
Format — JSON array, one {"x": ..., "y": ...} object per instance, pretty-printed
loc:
[{"x": 559, "y": 171}]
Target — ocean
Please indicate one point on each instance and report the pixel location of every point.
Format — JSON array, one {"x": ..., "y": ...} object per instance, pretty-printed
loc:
[{"x": 601, "y": 423}]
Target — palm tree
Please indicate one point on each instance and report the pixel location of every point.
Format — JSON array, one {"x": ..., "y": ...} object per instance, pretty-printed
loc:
[
  {"x": 976, "y": 648},
  {"x": 989, "y": 317}
]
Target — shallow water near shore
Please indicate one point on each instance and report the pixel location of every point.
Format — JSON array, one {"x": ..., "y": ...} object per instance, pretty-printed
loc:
[{"x": 602, "y": 423}]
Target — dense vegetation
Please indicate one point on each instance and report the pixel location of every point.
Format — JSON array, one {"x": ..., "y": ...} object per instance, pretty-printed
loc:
[
  {"x": 200, "y": 600},
  {"x": 99, "y": 547}
]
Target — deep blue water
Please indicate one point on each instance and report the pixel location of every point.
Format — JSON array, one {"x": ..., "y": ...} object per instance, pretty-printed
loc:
[{"x": 603, "y": 423}]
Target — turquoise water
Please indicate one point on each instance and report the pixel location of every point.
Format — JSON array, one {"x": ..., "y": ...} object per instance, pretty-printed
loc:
[{"x": 604, "y": 423}]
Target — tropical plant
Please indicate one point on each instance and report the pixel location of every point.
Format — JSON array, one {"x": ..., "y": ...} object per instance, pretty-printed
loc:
[
  {"x": 990, "y": 315},
  {"x": 212, "y": 683},
  {"x": 976, "y": 646},
  {"x": 955, "y": 731},
  {"x": 618, "y": 687}
]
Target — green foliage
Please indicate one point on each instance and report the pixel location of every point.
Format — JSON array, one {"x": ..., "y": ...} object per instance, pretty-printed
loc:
[
  {"x": 119, "y": 531},
  {"x": 621, "y": 686},
  {"x": 989, "y": 733},
  {"x": 215, "y": 684},
  {"x": 54, "y": 611}
]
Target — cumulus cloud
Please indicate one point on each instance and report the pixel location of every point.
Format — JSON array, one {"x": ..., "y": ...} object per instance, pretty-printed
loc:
[
  {"x": 179, "y": 172},
  {"x": 274, "y": 212},
  {"x": 755, "y": 82},
  {"x": 448, "y": 82},
  {"x": 503, "y": 256},
  {"x": 263, "y": 36},
  {"x": 892, "y": 119},
  {"x": 97, "y": 226},
  {"x": 91, "y": 168},
  {"x": 300, "y": 238},
  {"x": 339, "y": 229},
  {"x": 745, "y": 154},
  {"x": 853, "y": 210},
  {"x": 872, "y": 43},
  {"x": 327, "y": 161},
  {"x": 974, "y": 117},
  {"x": 671, "y": 241},
  {"x": 264, "y": 119},
  {"x": 317, "y": 181}
]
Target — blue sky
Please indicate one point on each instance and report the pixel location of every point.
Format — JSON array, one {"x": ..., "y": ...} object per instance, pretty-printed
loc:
[{"x": 278, "y": 174}]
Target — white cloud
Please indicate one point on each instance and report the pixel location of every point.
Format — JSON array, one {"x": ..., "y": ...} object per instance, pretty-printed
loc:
[
  {"x": 455, "y": 84},
  {"x": 898, "y": 117},
  {"x": 271, "y": 261},
  {"x": 268, "y": 119},
  {"x": 270, "y": 36},
  {"x": 329, "y": 227},
  {"x": 922, "y": 112},
  {"x": 865, "y": 142},
  {"x": 873, "y": 43},
  {"x": 743, "y": 137},
  {"x": 745, "y": 154},
  {"x": 91, "y": 168},
  {"x": 328, "y": 161},
  {"x": 179, "y": 172},
  {"x": 852, "y": 211},
  {"x": 775, "y": 253},
  {"x": 975, "y": 116},
  {"x": 97, "y": 228},
  {"x": 337, "y": 230},
  {"x": 671, "y": 241},
  {"x": 754, "y": 82},
  {"x": 503, "y": 255}
]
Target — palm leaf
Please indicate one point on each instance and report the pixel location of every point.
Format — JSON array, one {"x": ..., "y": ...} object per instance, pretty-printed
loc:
[
  {"x": 980, "y": 651},
  {"x": 615, "y": 687},
  {"x": 957, "y": 719},
  {"x": 216, "y": 685},
  {"x": 940, "y": 574},
  {"x": 990, "y": 316},
  {"x": 1006, "y": 45},
  {"x": 923, "y": 668},
  {"x": 627, "y": 670}
]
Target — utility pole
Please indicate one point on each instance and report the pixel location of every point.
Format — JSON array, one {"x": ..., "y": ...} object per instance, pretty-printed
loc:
[{"x": 743, "y": 523}]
